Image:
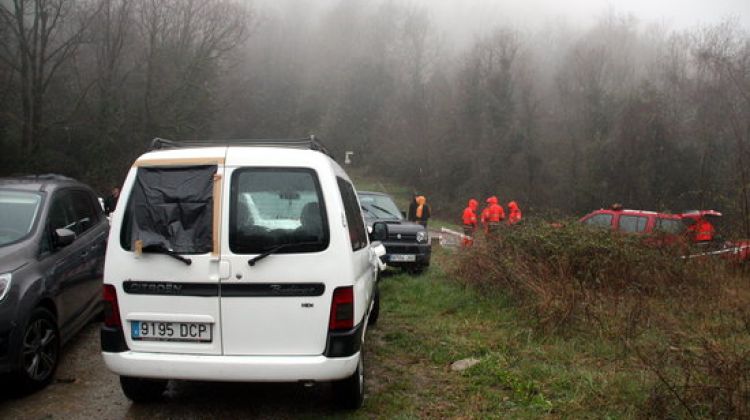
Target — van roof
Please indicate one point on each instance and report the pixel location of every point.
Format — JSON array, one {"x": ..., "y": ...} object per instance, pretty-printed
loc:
[
  {"x": 256, "y": 155},
  {"x": 310, "y": 143}
]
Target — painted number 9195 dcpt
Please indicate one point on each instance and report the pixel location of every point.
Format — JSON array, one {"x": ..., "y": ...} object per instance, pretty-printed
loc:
[{"x": 170, "y": 331}]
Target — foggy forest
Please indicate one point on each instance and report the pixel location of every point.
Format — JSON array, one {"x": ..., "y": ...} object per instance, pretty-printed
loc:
[{"x": 559, "y": 117}]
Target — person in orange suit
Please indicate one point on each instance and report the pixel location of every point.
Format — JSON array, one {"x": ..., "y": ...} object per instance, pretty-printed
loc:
[
  {"x": 514, "y": 211},
  {"x": 492, "y": 215},
  {"x": 469, "y": 219},
  {"x": 702, "y": 230}
]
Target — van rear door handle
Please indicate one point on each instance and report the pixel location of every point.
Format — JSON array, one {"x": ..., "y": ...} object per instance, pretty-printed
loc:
[{"x": 225, "y": 269}]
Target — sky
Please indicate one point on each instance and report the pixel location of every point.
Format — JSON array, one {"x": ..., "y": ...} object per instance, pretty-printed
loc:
[
  {"x": 677, "y": 13},
  {"x": 460, "y": 22}
]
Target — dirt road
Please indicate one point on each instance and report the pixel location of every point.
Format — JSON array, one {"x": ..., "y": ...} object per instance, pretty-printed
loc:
[{"x": 85, "y": 389}]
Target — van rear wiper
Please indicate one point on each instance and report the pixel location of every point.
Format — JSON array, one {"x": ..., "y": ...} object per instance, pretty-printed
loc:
[
  {"x": 276, "y": 249},
  {"x": 162, "y": 250}
]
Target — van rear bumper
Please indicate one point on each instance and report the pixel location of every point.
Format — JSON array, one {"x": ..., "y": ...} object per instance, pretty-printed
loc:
[{"x": 230, "y": 368}]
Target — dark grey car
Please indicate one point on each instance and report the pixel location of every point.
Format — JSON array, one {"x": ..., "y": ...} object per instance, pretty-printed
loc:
[
  {"x": 407, "y": 244},
  {"x": 53, "y": 238}
]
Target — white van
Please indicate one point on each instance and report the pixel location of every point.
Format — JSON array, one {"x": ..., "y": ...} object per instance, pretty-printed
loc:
[{"x": 247, "y": 261}]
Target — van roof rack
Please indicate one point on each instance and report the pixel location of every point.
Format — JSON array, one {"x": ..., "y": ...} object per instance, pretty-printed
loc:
[{"x": 311, "y": 143}]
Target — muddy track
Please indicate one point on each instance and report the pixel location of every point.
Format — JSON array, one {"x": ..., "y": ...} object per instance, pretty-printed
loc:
[{"x": 85, "y": 389}]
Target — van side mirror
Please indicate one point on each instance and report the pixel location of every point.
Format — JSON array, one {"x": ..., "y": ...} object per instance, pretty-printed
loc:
[
  {"x": 63, "y": 237},
  {"x": 379, "y": 232}
]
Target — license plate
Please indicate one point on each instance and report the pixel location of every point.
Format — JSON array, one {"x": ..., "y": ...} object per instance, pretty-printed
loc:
[
  {"x": 171, "y": 331},
  {"x": 403, "y": 258}
]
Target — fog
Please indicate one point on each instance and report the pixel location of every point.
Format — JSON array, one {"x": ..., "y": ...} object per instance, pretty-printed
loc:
[
  {"x": 461, "y": 21},
  {"x": 561, "y": 106}
]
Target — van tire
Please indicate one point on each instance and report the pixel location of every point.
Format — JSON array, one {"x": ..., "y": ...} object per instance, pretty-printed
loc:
[
  {"x": 349, "y": 393},
  {"x": 140, "y": 390},
  {"x": 372, "y": 320}
]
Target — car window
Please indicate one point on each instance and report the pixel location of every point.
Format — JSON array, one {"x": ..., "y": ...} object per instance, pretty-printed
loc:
[
  {"x": 170, "y": 208},
  {"x": 354, "y": 219},
  {"x": 674, "y": 226},
  {"x": 60, "y": 216},
  {"x": 61, "y": 212},
  {"x": 376, "y": 206},
  {"x": 633, "y": 224},
  {"x": 85, "y": 215},
  {"x": 599, "y": 220},
  {"x": 19, "y": 210},
  {"x": 272, "y": 207}
]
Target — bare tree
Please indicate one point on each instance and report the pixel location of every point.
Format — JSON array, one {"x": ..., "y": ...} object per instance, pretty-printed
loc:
[
  {"x": 185, "y": 42},
  {"x": 44, "y": 35},
  {"x": 723, "y": 59}
]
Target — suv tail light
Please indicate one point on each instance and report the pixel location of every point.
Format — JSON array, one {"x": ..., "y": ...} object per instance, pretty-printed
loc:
[
  {"x": 111, "y": 308},
  {"x": 342, "y": 309}
]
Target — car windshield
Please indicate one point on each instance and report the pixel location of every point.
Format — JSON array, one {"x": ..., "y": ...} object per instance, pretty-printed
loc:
[
  {"x": 19, "y": 211},
  {"x": 378, "y": 206}
]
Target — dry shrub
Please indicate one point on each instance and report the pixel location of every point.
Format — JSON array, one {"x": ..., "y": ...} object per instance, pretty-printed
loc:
[
  {"x": 571, "y": 273},
  {"x": 575, "y": 280},
  {"x": 704, "y": 379}
]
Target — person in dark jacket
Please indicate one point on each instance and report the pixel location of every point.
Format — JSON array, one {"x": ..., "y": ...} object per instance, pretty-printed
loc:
[
  {"x": 111, "y": 201},
  {"x": 412, "y": 214},
  {"x": 422, "y": 212}
]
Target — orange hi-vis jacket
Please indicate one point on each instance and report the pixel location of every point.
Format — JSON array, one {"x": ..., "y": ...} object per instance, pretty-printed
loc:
[
  {"x": 494, "y": 212},
  {"x": 470, "y": 213},
  {"x": 515, "y": 213},
  {"x": 703, "y": 230}
]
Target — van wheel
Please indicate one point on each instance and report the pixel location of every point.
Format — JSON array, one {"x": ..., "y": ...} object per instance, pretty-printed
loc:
[
  {"x": 350, "y": 392},
  {"x": 375, "y": 312},
  {"x": 40, "y": 351},
  {"x": 142, "y": 390}
]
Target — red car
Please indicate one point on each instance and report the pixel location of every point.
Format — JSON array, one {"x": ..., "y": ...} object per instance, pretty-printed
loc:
[
  {"x": 674, "y": 228},
  {"x": 635, "y": 221}
]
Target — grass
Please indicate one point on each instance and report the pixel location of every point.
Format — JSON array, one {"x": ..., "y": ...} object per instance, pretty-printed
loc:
[
  {"x": 673, "y": 334},
  {"x": 565, "y": 323},
  {"x": 684, "y": 345},
  {"x": 430, "y": 321}
]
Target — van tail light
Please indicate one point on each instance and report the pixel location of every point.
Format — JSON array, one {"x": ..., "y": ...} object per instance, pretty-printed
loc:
[
  {"x": 342, "y": 309},
  {"x": 111, "y": 308}
]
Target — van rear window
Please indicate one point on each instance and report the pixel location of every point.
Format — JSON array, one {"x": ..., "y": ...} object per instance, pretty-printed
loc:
[
  {"x": 277, "y": 206},
  {"x": 171, "y": 209}
]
